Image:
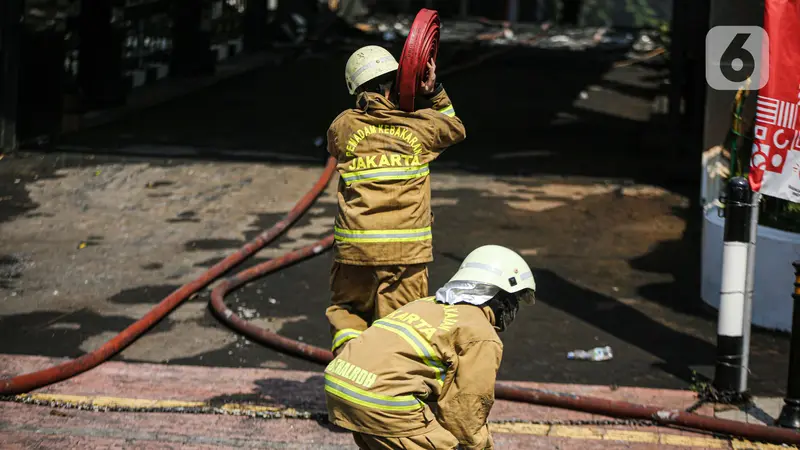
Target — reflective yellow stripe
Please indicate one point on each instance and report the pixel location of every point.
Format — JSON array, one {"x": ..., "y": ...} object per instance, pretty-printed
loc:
[
  {"x": 427, "y": 299},
  {"x": 361, "y": 397},
  {"x": 387, "y": 173},
  {"x": 343, "y": 336},
  {"x": 418, "y": 343},
  {"x": 412, "y": 235},
  {"x": 448, "y": 111}
]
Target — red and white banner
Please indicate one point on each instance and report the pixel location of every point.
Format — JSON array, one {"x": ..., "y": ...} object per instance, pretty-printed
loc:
[{"x": 775, "y": 160}]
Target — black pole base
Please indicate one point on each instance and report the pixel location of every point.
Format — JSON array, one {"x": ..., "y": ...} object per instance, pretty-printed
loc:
[
  {"x": 707, "y": 392},
  {"x": 790, "y": 415},
  {"x": 728, "y": 368}
]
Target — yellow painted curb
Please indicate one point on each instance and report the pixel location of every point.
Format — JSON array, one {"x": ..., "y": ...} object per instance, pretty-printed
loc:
[
  {"x": 111, "y": 402},
  {"x": 628, "y": 436},
  {"x": 145, "y": 405}
]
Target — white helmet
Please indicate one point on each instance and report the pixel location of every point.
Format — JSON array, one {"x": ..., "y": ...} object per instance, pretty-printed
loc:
[
  {"x": 497, "y": 266},
  {"x": 367, "y": 63}
]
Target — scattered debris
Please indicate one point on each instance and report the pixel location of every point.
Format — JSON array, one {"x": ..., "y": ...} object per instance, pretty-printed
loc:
[
  {"x": 246, "y": 313},
  {"x": 644, "y": 43},
  {"x": 595, "y": 354},
  {"x": 537, "y": 35},
  {"x": 12, "y": 266},
  {"x": 65, "y": 326}
]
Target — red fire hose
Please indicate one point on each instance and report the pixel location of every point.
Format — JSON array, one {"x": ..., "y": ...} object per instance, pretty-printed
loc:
[
  {"x": 422, "y": 45},
  {"x": 35, "y": 380},
  {"x": 274, "y": 340}
]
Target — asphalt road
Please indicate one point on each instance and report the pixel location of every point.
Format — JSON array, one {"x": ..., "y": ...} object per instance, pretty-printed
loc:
[{"x": 564, "y": 161}]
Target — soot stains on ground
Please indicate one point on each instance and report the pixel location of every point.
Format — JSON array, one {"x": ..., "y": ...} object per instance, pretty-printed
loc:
[
  {"x": 143, "y": 294},
  {"x": 55, "y": 333},
  {"x": 312, "y": 226},
  {"x": 11, "y": 269},
  {"x": 212, "y": 244},
  {"x": 160, "y": 183},
  {"x": 186, "y": 216}
]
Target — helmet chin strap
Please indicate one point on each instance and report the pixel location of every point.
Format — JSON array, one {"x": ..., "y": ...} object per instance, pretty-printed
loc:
[
  {"x": 505, "y": 307},
  {"x": 361, "y": 101}
]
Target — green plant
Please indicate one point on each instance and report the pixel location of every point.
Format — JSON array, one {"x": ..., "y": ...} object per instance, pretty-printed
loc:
[{"x": 644, "y": 16}]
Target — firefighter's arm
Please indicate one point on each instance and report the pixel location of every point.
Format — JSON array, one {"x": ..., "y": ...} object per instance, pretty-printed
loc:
[
  {"x": 447, "y": 127},
  {"x": 332, "y": 143},
  {"x": 464, "y": 407}
]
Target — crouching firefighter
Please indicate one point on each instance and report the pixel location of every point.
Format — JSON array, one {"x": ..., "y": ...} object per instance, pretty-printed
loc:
[
  {"x": 423, "y": 376},
  {"x": 383, "y": 227}
]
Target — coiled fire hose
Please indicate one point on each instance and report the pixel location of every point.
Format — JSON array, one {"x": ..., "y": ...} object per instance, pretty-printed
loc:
[
  {"x": 422, "y": 45},
  {"x": 27, "y": 382}
]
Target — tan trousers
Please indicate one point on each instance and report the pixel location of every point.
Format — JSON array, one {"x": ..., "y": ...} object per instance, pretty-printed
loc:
[
  {"x": 363, "y": 294},
  {"x": 436, "y": 439}
]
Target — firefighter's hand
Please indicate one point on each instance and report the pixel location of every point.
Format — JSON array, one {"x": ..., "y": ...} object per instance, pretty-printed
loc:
[{"x": 429, "y": 84}]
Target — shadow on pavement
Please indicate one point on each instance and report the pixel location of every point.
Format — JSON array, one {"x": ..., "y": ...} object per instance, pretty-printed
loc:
[
  {"x": 304, "y": 396},
  {"x": 55, "y": 333},
  {"x": 677, "y": 349}
]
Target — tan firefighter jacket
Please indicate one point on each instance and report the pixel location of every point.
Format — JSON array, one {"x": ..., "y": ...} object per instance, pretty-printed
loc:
[
  {"x": 384, "y": 215},
  {"x": 423, "y": 353}
]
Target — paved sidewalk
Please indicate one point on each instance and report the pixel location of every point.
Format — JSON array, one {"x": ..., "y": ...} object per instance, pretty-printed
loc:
[{"x": 149, "y": 406}]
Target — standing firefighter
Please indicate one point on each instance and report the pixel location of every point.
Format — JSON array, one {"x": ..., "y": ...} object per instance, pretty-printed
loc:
[
  {"x": 383, "y": 227},
  {"x": 443, "y": 350}
]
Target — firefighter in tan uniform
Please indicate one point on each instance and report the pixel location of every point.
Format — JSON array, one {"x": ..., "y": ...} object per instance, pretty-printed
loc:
[
  {"x": 442, "y": 351},
  {"x": 383, "y": 226}
]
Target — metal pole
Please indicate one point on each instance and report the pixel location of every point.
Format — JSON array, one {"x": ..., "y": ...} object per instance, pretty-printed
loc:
[
  {"x": 790, "y": 414},
  {"x": 728, "y": 371},
  {"x": 748, "y": 296}
]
